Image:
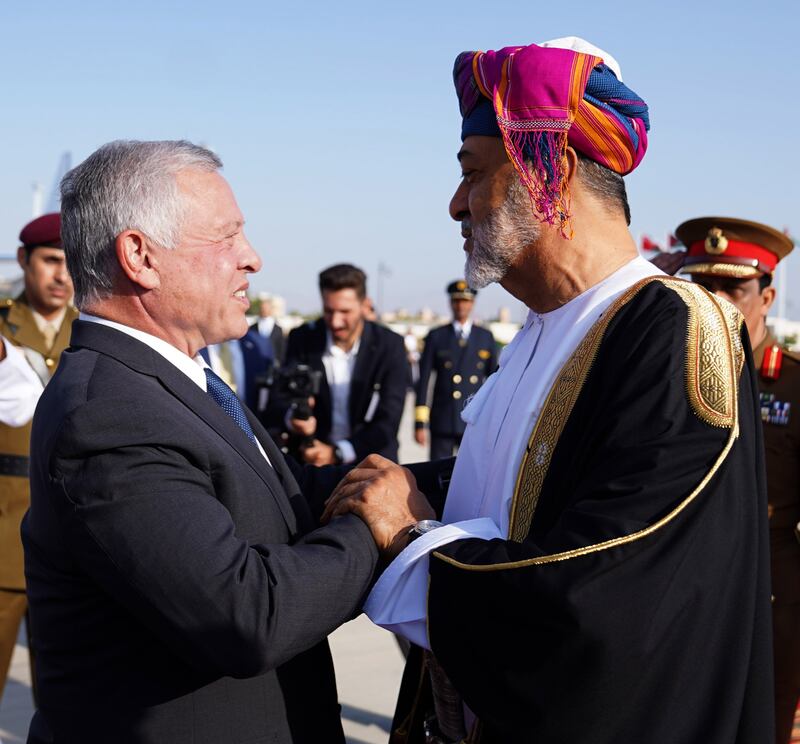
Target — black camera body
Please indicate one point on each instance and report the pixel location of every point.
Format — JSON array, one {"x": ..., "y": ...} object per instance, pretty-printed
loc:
[{"x": 294, "y": 383}]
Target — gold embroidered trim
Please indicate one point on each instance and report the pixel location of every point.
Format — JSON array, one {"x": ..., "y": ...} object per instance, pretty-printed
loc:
[
  {"x": 712, "y": 363},
  {"x": 555, "y": 412},
  {"x": 552, "y": 421},
  {"x": 734, "y": 320},
  {"x": 567, "y": 554},
  {"x": 737, "y": 271}
]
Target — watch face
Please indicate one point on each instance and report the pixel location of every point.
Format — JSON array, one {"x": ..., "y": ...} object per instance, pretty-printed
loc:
[{"x": 426, "y": 525}]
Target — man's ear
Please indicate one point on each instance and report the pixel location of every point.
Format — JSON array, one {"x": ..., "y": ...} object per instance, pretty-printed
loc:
[
  {"x": 571, "y": 164},
  {"x": 767, "y": 298},
  {"x": 23, "y": 257},
  {"x": 136, "y": 259}
]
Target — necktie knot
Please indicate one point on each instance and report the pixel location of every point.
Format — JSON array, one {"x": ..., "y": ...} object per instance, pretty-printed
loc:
[{"x": 226, "y": 399}]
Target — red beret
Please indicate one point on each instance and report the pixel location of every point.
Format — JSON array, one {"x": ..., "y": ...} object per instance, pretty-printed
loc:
[{"x": 44, "y": 230}]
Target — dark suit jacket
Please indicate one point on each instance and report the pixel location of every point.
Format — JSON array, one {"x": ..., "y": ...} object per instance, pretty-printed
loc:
[
  {"x": 275, "y": 346},
  {"x": 460, "y": 371},
  {"x": 381, "y": 376},
  {"x": 178, "y": 592}
]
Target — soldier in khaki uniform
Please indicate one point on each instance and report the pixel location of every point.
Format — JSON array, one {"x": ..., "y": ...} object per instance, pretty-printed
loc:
[
  {"x": 34, "y": 330},
  {"x": 735, "y": 259}
]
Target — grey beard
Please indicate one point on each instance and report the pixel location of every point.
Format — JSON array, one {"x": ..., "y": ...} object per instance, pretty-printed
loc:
[{"x": 500, "y": 239}]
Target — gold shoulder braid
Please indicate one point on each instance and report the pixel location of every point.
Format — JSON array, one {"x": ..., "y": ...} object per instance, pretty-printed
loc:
[
  {"x": 713, "y": 353},
  {"x": 714, "y": 362}
]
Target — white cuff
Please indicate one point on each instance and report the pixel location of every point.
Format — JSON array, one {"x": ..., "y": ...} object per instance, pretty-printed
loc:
[
  {"x": 398, "y": 601},
  {"x": 347, "y": 450}
]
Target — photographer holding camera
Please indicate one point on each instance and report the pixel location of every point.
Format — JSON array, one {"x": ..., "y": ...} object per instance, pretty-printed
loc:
[{"x": 362, "y": 379}]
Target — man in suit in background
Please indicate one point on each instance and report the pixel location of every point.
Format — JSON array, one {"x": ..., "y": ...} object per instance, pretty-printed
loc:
[
  {"x": 463, "y": 355},
  {"x": 267, "y": 332},
  {"x": 364, "y": 378},
  {"x": 178, "y": 588}
]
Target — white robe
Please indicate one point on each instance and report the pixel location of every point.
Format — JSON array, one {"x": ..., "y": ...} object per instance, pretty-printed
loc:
[{"x": 499, "y": 418}]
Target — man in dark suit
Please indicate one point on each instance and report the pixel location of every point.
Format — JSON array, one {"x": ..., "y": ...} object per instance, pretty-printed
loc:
[
  {"x": 365, "y": 376},
  {"x": 463, "y": 355},
  {"x": 266, "y": 333},
  {"x": 177, "y": 587}
]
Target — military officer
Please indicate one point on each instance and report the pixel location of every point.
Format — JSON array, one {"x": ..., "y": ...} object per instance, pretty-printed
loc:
[
  {"x": 735, "y": 259},
  {"x": 34, "y": 330},
  {"x": 463, "y": 355}
]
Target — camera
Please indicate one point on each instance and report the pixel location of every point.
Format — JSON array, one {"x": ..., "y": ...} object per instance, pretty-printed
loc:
[{"x": 295, "y": 383}]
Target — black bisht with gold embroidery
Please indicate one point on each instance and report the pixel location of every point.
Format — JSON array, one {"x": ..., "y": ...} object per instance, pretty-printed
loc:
[{"x": 633, "y": 603}]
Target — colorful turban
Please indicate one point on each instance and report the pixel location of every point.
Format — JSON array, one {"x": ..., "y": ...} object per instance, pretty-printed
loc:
[{"x": 539, "y": 99}]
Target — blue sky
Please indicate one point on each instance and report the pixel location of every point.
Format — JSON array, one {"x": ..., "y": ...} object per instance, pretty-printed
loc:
[{"x": 338, "y": 124}]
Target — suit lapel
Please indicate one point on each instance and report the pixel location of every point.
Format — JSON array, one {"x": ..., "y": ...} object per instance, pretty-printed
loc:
[
  {"x": 314, "y": 360},
  {"x": 472, "y": 345},
  {"x": 145, "y": 360},
  {"x": 362, "y": 374}
]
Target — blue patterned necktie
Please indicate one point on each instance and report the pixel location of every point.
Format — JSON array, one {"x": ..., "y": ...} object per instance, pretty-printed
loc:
[{"x": 226, "y": 399}]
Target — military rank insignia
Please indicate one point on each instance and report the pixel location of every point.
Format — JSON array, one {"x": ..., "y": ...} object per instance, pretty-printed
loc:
[
  {"x": 774, "y": 411},
  {"x": 771, "y": 366}
]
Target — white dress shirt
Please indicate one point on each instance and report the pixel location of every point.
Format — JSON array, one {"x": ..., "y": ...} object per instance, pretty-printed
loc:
[
  {"x": 193, "y": 368},
  {"x": 266, "y": 325},
  {"x": 462, "y": 329},
  {"x": 339, "y": 365},
  {"x": 499, "y": 418}
]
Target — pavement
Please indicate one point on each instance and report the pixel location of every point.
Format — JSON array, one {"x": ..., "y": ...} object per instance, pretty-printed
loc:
[{"x": 367, "y": 659}]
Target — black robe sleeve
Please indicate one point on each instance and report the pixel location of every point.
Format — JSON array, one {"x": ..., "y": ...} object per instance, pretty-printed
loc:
[{"x": 636, "y": 608}]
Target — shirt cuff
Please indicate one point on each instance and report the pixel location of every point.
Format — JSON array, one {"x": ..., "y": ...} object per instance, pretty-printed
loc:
[
  {"x": 398, "y": 601},
  {"x": 347, "y": 450}
]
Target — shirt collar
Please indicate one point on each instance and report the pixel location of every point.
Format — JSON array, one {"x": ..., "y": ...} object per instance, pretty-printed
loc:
[
  {"x": 55, "y": 322},
  {"x": 464, "y": 328},
  {"x": 333, "y": 350},
  {"x": 192, "y": 368}
]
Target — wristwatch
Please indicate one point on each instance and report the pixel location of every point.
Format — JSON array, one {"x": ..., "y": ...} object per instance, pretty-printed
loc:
[
  {"x": 420, "y": 528},
  {"x": 338, "y": 456}
]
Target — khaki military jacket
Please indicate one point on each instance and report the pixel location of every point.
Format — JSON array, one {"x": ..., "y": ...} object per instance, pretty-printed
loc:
[{"x": 17, "y": 325}]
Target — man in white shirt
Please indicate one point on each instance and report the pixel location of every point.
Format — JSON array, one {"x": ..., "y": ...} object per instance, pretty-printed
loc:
[
  {"x": 601, "y": 570},
  {"x": 34, "y": 330},
  {"x": 364, "y": 376}
]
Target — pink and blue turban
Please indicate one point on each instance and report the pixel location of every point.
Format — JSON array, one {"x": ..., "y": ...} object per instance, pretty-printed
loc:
[{"x": 539, "y": 99}]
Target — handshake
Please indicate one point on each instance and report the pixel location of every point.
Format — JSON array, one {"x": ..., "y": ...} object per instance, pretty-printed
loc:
[{"x": 386, "y": 497}]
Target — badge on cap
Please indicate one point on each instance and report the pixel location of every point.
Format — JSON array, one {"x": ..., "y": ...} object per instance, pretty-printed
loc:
[{"x": 716, "y": 242}]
